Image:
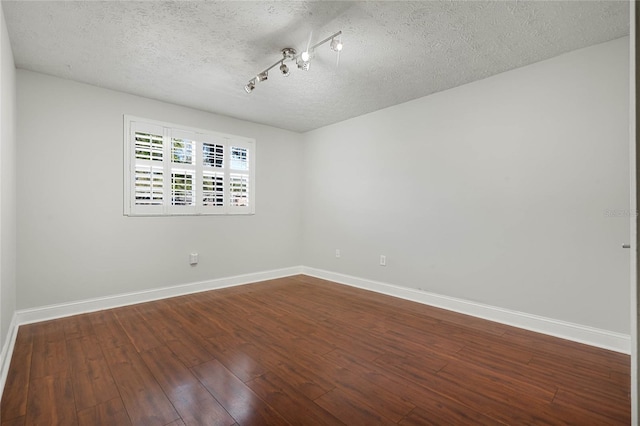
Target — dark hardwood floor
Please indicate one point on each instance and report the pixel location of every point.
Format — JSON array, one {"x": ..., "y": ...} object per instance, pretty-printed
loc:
[{"x": 302, "y": 351}]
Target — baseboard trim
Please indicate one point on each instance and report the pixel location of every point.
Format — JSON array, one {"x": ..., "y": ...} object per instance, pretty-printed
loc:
[
  {"x": 578, "y": 333},
  {"x": 43, "y": 313},
  {"x": 7, "y": 352}
]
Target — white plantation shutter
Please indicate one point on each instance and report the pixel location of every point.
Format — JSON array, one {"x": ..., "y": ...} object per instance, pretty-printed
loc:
[
  {"x": 182, "y": 165},
  {"x": 239, "y": 158},
  {"x": 214, "y": 164},
  {"x": 148, "y": 187},
  {"x": 213, "y": 189},
  {"x": 146, "y": 168},
  {"x": 212, "y": 155},
  {"x": 240, "y": 188},
  {"x": 182, "y": 188},
  {"x": 171, "y": 170},
  {"x": 182, "y": 151},
  {"x": 149, "y": 145}
]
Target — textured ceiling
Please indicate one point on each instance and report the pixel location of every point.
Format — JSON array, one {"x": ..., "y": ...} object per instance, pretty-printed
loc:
[{"x": 201, "y": 54}]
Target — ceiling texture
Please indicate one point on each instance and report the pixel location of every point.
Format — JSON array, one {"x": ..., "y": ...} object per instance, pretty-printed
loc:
[{"x": 201, "y": 54}]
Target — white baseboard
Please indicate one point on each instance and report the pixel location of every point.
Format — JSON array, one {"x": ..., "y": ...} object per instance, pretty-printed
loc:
[
  {"x": 43, "y": 313},
  {"x": 7, "y": 352},
  {"x": 579, "y": 333}
]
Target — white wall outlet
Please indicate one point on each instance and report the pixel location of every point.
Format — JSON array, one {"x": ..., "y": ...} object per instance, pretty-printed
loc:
[
  {"x": 383, "y": 260},
  {"x": 193, "y": 259},
  {"x": 337, "y": 253}
]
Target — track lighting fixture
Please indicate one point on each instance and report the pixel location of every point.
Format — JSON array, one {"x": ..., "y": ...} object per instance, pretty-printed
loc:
[
  {"x": 250, "y": 86},
  {"x": 302, "y": 60}
]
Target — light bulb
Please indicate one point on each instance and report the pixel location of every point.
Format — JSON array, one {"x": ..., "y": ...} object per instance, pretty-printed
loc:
[
  {"x": 305, "y": 56},
  {"x": 303, "y": 65},
  {"x": 336, "y": 45}
]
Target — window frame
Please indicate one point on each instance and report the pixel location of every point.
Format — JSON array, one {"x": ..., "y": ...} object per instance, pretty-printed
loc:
[{"x": 169, "y": 132}]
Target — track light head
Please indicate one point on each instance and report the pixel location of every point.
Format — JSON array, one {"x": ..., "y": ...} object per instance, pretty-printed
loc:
[
  {"x": 305, "y": 56},
  {"x": 262, "y": 76},
  {"x": 303, "y": 65},
  {"x": 336, "y": 45},
  {"x": 284, "y": 69},
  {"x": 250, "y": 86}
]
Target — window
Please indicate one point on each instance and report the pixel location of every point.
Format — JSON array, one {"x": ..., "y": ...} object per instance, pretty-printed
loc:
[{"x": 173, "y": 170}]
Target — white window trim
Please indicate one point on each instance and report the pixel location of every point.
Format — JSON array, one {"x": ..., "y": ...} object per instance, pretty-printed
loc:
[{"x": 170, "y": 130}]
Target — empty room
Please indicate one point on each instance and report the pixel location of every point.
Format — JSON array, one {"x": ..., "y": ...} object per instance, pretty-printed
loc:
[{"x": 314, "y": 212}]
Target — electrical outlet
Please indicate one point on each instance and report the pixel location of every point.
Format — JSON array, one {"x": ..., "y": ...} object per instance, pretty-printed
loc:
[
  {"x": 383, "y": 260},
  {"x": 337, "y": 253}
]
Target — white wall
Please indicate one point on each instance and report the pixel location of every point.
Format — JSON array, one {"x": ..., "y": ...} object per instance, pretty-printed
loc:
[
  {"x": 74, "y": 242},
  {"x": 7, "y": 183},
  {"x": 494, "y": 192}
]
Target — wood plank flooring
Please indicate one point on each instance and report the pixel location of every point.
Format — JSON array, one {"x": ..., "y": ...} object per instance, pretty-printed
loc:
[{"x": 303, "y": 351}]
